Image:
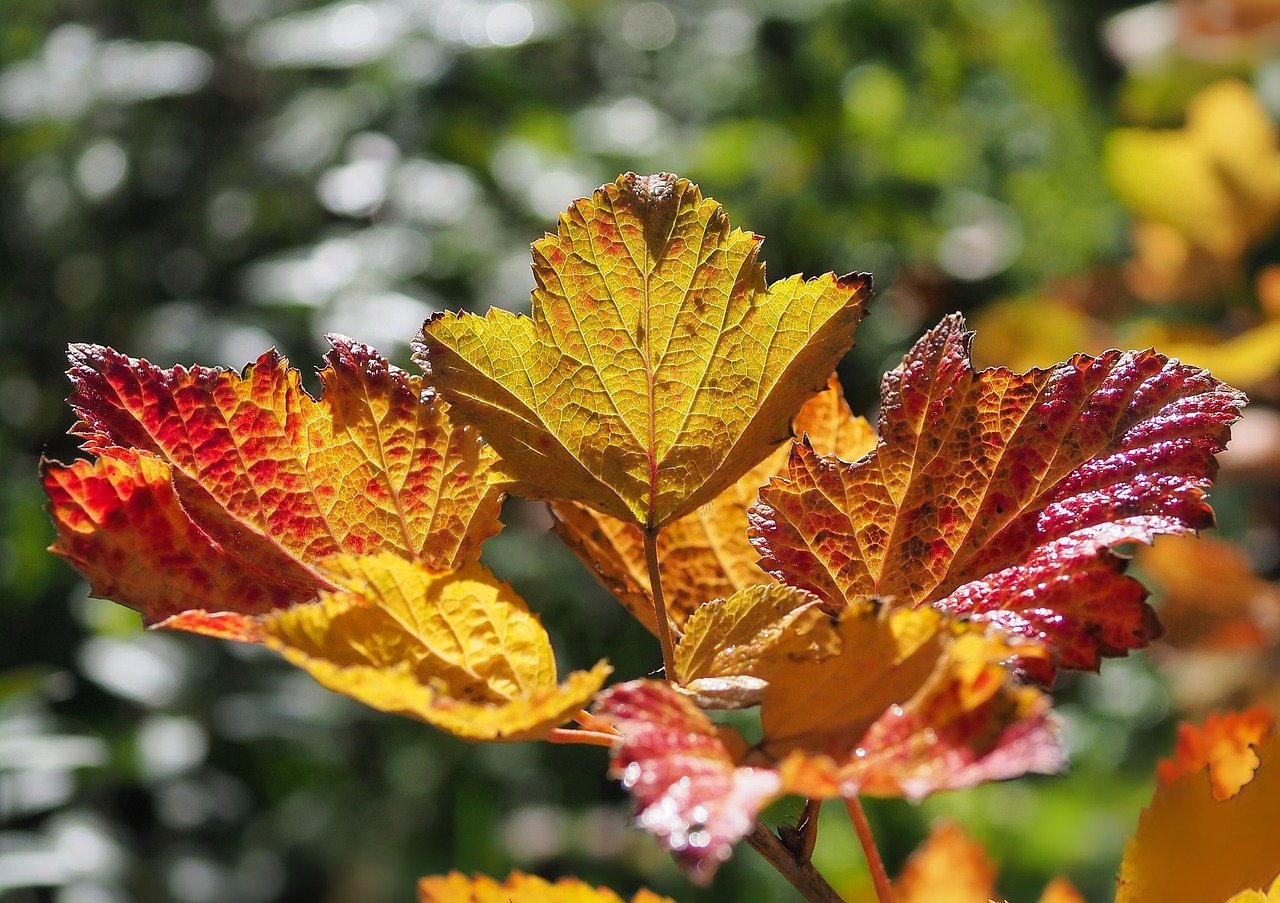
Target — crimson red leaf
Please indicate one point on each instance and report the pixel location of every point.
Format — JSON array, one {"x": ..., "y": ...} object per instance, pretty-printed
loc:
[{"x": 999, "y": 495}]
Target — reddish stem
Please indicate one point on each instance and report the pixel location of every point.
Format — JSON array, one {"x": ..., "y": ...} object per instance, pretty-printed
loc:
[
  {"x": 591, "y": 738},
  {"x": 879, "y": 877}
]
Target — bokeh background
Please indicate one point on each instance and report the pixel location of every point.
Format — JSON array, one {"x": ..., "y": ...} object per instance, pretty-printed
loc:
[{"x": 196, "y": 181}]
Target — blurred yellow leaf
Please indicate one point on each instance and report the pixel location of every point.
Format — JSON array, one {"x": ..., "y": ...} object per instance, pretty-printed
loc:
[
  {"x": 1190, "y": 846},
  {"x": 458, "y": 650},
  {"x": 1243, "y": 360},
  {"x": 657, "y": 367},
  {"x": 1216, "y": 180},
  {"x": 1258, "y": 896}
]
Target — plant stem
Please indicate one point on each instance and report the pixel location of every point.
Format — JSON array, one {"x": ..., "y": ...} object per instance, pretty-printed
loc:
[
  {"x": 659, "y": 604},
  {"x": 802, "y": 875},
  {"x": 590, "y": 722},
  {"x": 591, "y": 738},
  {"x": 879, "y": 877}
]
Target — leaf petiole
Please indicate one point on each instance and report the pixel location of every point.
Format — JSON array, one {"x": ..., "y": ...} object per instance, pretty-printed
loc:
[
  {"x": 659, "y": 604},
  {"x": 879, "y": 877}
]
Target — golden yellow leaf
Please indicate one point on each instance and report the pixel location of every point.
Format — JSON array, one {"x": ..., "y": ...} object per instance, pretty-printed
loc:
[
  {"x": 1245, "y": 359},
  {"x": 520, "y": 888},
  {"x": 731, "y": 647},
  {"x": 1258, "y": 896},
  {"x": 1224, "y": 162},
  {"x": 1224, "y": 744},
  {"x": 657, "y": 367},
  {"x": 705, "y": 554},
  {"x": 1191, "y": 847},
  {"x": 458, "y": 650}
]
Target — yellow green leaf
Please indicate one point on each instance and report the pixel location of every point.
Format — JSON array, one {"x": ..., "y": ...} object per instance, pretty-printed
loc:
[
  {"x": 1191, "y": 846},
  {"x": 731, "y": 647},
  {"x": 458, "y": 650},
  {"x": 657, "y": 367},
  {"x": 706, "y": 555}
]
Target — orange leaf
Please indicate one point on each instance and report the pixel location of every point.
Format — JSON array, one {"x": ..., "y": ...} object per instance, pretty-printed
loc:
[
  {"x": 458, "y": 650},
  {"x": 1209, "y": 595},
  {"x": 913, "y": 703},
  {"x": 657, "y": 367},
  {"x": 952, "y": 867},
  {"x": 457, "y": 888},
  {"x": 1225, "y": 744},
  {"x": 208, "y": 479},
  {"x": 1191, "y": 846},
  {"x": 949, "y": 867},
  {"x": 705, "y": 555},
  {"x": 998, "y": 495}
]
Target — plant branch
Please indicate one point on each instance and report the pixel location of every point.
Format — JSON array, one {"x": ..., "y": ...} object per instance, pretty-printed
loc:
[
  {"x": 659, "y": 604},
  {"x": 879, "y": 877},
  {"x": 802, "y": 875}
]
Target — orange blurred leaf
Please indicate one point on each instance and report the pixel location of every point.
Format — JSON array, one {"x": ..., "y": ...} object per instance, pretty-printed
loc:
[
  {"x": 520, "y": 888},
  {"x": 1226, "y": 744},
  {"x": 223, "y": 493},
  {"x": 1191, "y": 846},
  {"x": 657, "y": 367},
  {"x": 998, "y": 495},
  {"x": 458, "y": 650},
  {"x": 705, "y": 554}
]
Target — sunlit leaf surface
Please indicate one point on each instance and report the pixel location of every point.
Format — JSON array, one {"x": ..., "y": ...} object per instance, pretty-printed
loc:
[{"x": 657, "y": 368}]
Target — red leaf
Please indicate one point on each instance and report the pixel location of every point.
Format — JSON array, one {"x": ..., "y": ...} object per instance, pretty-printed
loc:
[
  {"x": 688, "y": 790},
  {"x": 999, "y": 495}
]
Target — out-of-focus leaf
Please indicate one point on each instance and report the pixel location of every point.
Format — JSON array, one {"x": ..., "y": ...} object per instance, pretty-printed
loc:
[
  {"x": 998, "y": 495},
  {"x": 1224, "y": 162},
  {"x": 732, "y": 647},
  {"x": 1259, "y": 896},
  {"x": 1225, "y": 744},
  {"x": 1210, "y": 597},
  {"x": 458, "y": 650},
  {"x": 705, "y": 554},
  {"x": 952, "y": 867},
  {"x": 1191, "y": 846},
  {"x": 657, "y": 368},
  {"x": 520, "y": 888},
  {"x": 1245, "y": 359},
  {"x": 223, "y": 493},
  {"x": 689, "y": 790}
]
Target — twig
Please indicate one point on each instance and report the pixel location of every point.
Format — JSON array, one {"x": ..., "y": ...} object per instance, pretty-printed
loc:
[
  {"x": 879, "y": 877},
  {"x": 802, "y": 875},
  {"x": 659, "y": 604}
]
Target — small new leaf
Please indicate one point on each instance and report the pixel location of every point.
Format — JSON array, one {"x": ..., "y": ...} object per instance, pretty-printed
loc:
[
  {"x": 657, "y": 367},
  {"x": 458, "y": 650},
  {"x": 732, "y": 647},
  {"x": 999, "y": 495}
]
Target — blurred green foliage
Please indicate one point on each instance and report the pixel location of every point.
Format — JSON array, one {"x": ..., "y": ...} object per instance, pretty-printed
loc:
[{"x": 198, "y": 181}]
